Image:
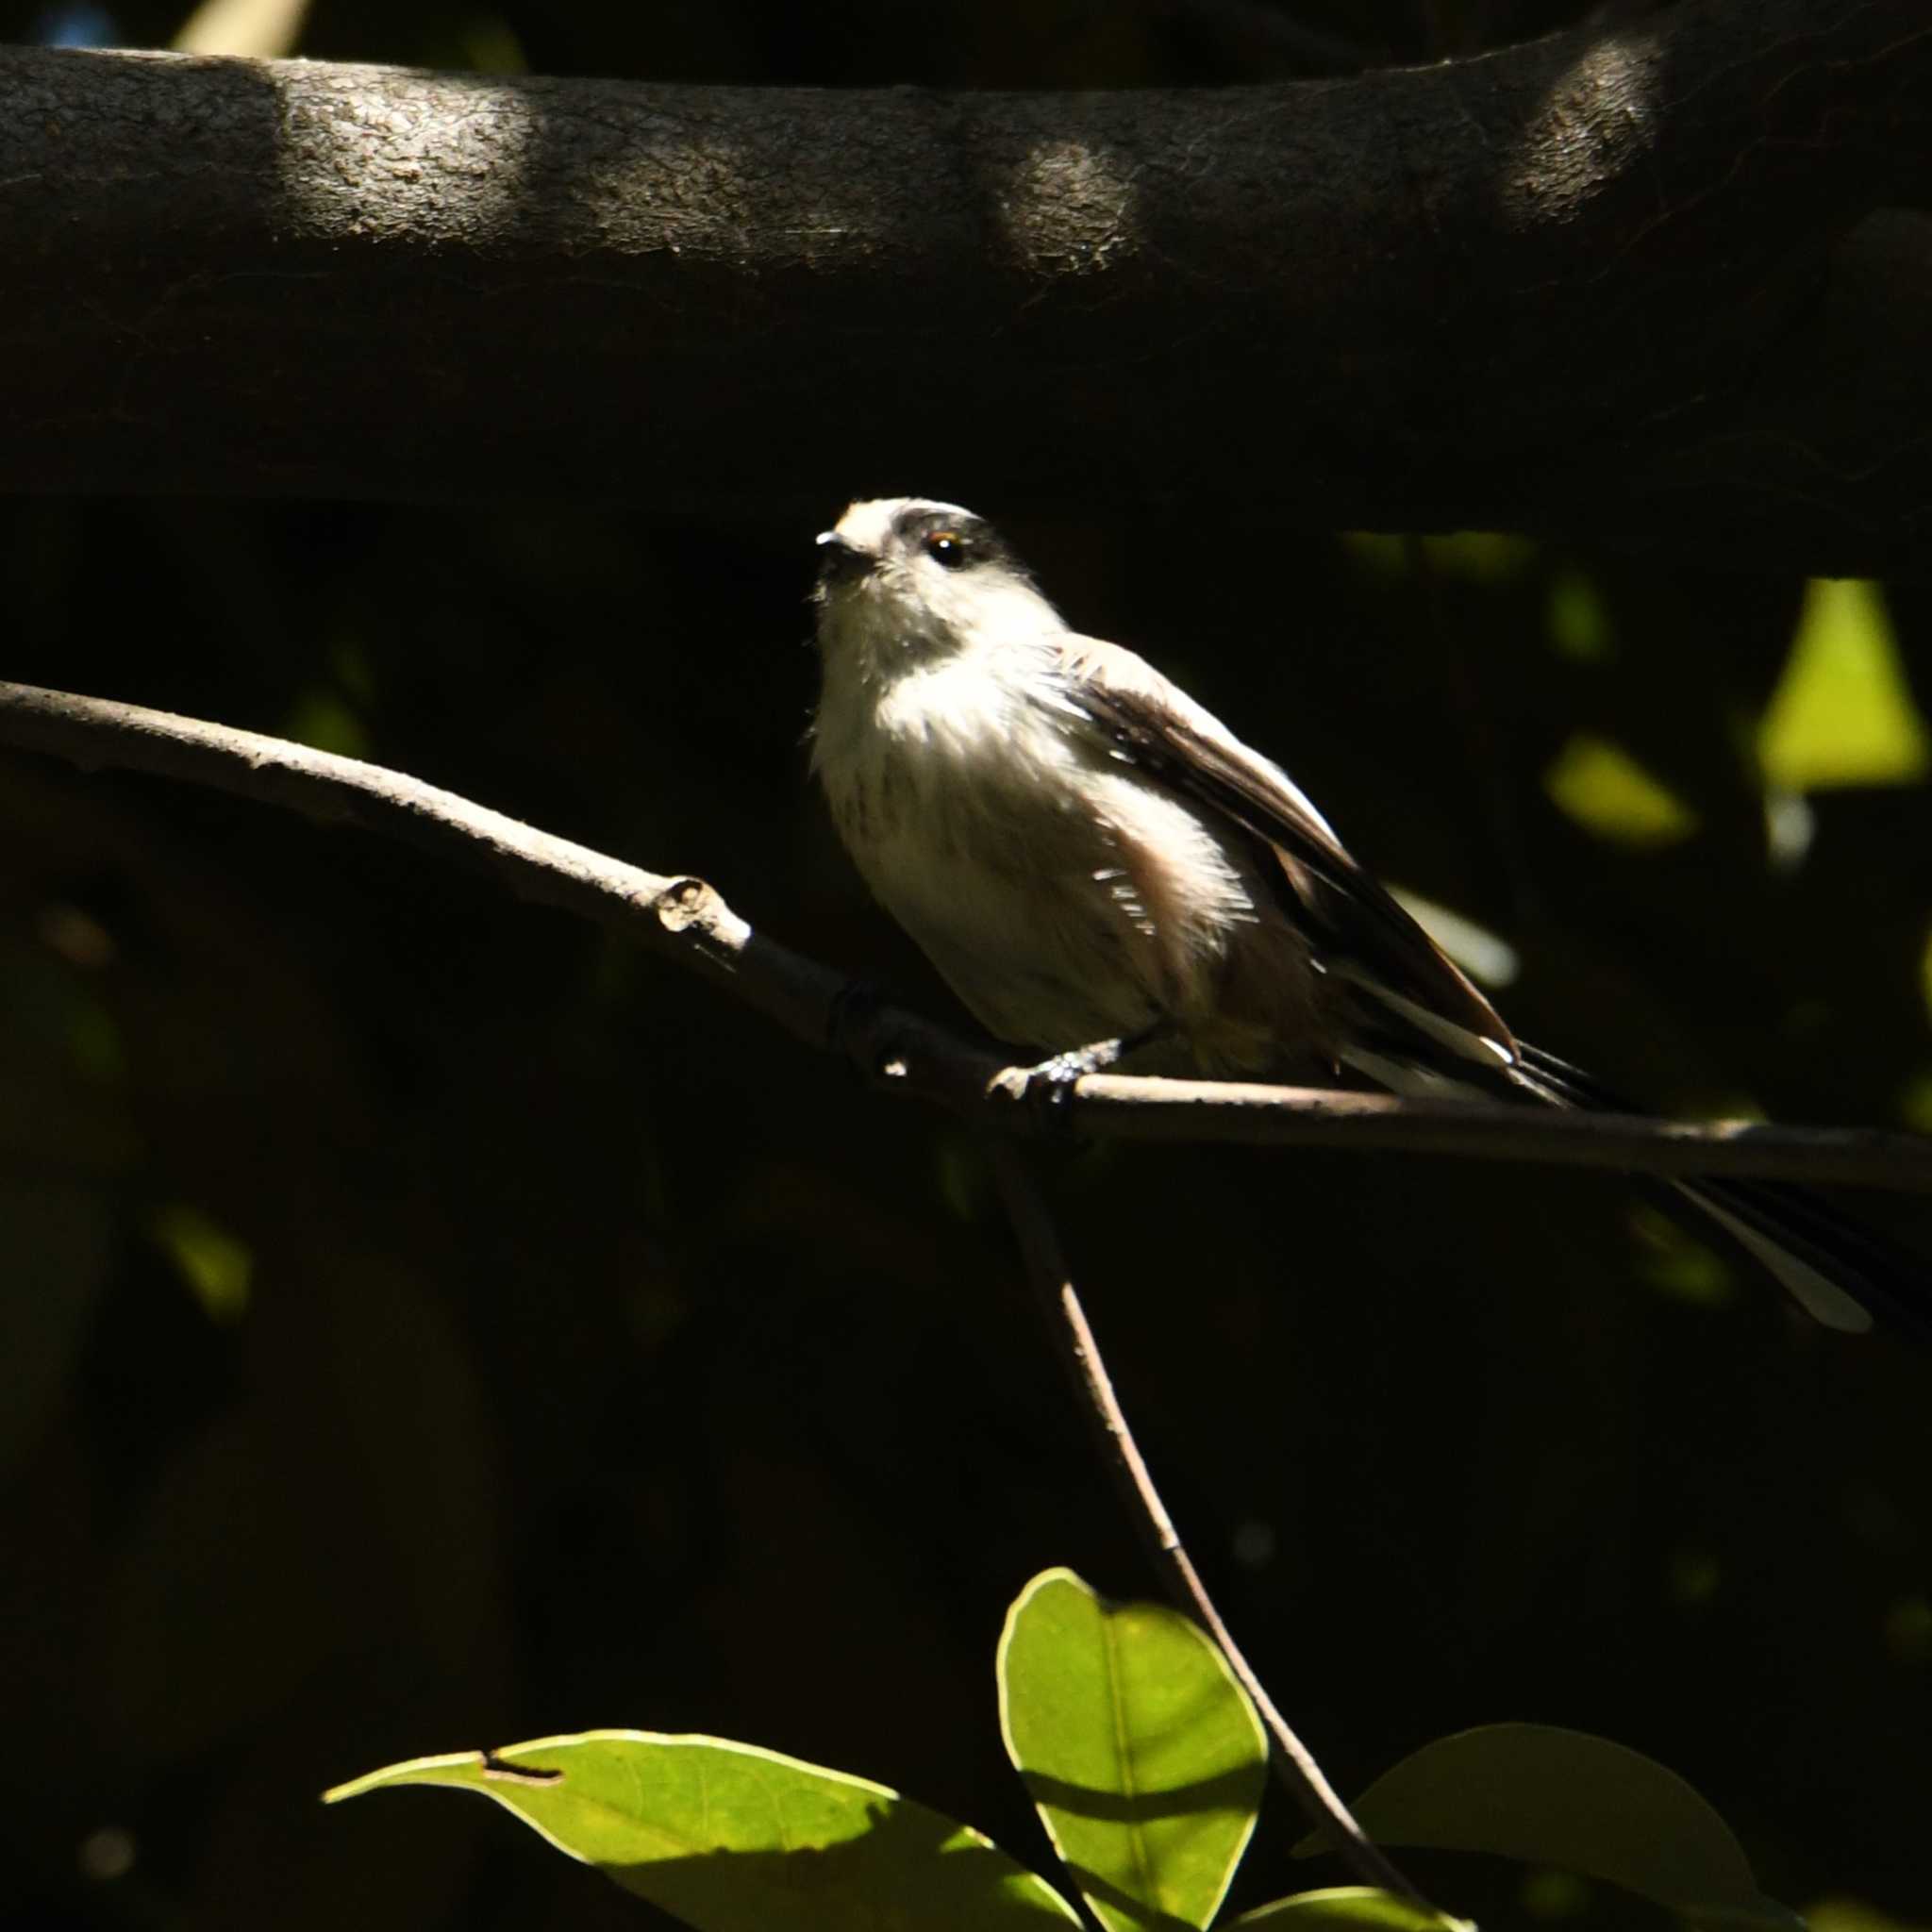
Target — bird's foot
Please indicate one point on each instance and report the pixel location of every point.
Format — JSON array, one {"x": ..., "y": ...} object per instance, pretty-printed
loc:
[{"x": 1050, "y": 1083}]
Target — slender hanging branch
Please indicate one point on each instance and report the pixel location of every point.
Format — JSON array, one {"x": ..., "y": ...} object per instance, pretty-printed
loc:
[
  {"x": 1053, "y": 1286},
  {"x": 905, "y": 1054}
]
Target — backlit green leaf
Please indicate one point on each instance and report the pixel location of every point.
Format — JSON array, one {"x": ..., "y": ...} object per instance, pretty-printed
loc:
[
  {"x": 1607, "y": 792},
  {"x": 1143, "y": 1753},
  {"x": 732, "y": 1839},
  {"x": 1842, "y": 712}
]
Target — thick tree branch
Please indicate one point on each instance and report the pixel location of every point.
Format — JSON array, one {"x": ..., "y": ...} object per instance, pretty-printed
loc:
[
  {"x": 684, "y": 918},
  {"x": 1623, "y": 285}
]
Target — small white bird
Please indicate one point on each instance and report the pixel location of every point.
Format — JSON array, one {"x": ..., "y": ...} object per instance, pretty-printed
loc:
[{"x": 1101, "y": 868}]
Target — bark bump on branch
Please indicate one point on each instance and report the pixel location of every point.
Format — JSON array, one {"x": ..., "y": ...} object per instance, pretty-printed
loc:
[{"x": 1635, "y": 282}]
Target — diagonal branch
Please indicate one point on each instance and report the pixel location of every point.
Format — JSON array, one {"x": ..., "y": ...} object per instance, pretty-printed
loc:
[
  {"x": 1634, "y": 282},
  {"x": 685, "y": 919},
  {"x": 1053, "y": 1284}
]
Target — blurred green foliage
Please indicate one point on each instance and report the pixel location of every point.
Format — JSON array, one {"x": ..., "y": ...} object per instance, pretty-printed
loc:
[
  {"x": 549, "y": 1343},
  {"x": 1607, "y": 792},
  {"x": 216, "y": 1267},
  {"x": 1842, "y": 712}
]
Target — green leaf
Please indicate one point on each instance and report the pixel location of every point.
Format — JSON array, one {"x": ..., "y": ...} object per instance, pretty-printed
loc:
[
  {"x": 1481, "y": 557},
  {"x": 1546, "y": 1796},
  {"x": 1579, "y": 626},
  {"x": 1607, "y": 792},
  {"x": 1351, "y": 1908},
  {"x": 325, "y": 719},
  {"x": 1855, "y": 1915},
  {"x": 733, "y": 1839},
  {"x": 1144, "y": 1754},
  {"x": 216, "y": 1266},
  {"x": 1842, "y": 712}
]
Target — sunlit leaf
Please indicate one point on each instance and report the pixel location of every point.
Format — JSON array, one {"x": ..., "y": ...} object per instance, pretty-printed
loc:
[
  {"x": 733, "y": 1839},
  {"x": 1842, "y": 712},
  {"x": 263, "y": 29},
  {"x": 1607, "y": 792},
  {"x": 1144, "y": 1756},
  {"x": 1561, "y": 1798},
  {"x": 1349, "y": 1908}
]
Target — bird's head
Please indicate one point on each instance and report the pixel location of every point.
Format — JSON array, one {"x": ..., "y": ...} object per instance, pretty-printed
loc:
[{"x": 905, "y": 578}]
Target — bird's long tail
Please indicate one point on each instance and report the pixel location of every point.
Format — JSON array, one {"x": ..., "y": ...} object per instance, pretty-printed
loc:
[{"x": 1840, "y": 1273}]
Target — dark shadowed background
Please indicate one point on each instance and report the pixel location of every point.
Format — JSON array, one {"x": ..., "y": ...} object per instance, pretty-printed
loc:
[{"x": 429, "y": 1323}]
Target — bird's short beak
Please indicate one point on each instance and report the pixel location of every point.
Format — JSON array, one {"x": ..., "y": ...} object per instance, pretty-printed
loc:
[{"x": 838, "y": 559}]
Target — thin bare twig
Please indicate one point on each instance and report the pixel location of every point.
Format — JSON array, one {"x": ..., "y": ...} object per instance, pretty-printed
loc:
[
  {"x": 1135, "y": 1107},
  {"x": 906, "y": 1055},
  {"x": 1052, "y": 1283}
]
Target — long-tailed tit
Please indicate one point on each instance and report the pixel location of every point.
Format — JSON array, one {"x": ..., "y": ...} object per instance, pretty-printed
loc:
[{"x": 1099, "y": 867}]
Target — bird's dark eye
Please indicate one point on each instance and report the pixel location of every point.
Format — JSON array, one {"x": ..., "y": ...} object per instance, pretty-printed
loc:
[{"x": 948, "y": 547}]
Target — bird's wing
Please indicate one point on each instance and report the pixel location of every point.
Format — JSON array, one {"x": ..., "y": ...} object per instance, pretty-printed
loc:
[{"x": 1358, "y": 928}]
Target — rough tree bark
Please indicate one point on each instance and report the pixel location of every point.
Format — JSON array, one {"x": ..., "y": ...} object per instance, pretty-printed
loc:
[{"x": 1662, "y": 284}]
